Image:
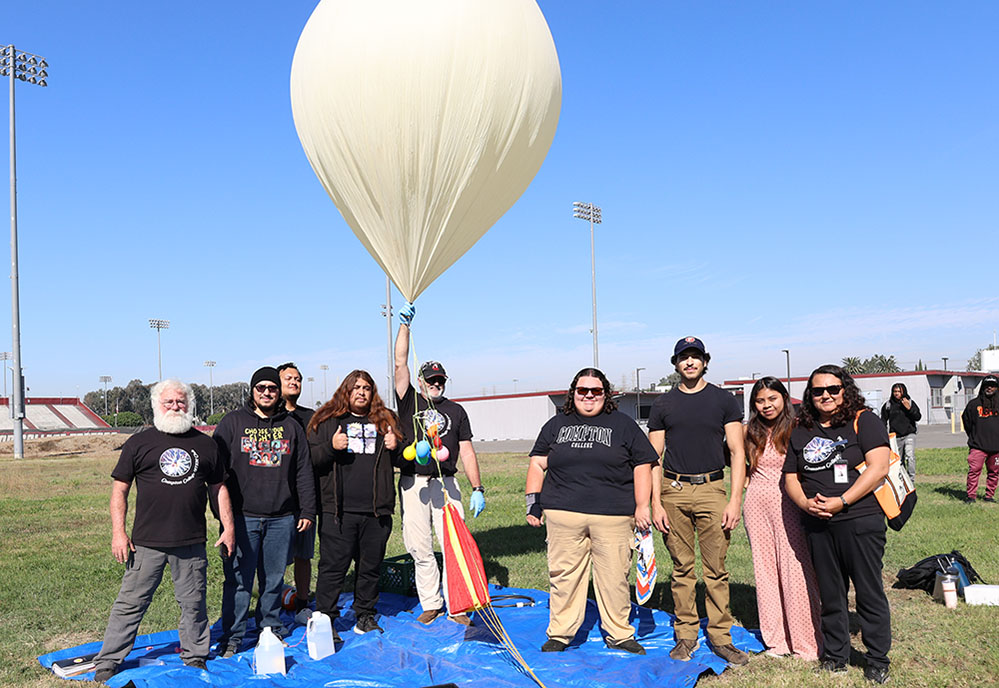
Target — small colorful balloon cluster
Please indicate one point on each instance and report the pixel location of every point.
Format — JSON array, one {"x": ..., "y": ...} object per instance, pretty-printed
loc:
[{"x": 423, "y": 450}]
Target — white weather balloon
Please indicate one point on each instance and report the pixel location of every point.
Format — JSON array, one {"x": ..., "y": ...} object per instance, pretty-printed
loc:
[{"x": 425, "y": 120}]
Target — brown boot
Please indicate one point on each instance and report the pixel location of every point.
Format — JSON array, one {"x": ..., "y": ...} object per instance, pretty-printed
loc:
[{"x": 429, "y": 615}]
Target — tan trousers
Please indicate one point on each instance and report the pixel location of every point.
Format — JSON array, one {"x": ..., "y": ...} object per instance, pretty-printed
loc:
[
  {"x": 698, "y": 509},
  {"x": 422, "y": 501},
  {"x": 574, "y": 541}
]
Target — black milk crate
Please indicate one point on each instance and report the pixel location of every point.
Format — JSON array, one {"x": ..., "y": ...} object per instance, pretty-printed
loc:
[{"x": 398, "y": 575}]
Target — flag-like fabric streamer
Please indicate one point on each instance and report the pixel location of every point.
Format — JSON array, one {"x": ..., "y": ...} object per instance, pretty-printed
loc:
[
  {"x": 467, "y": 588},
  {"x": 645, "y": 564}
]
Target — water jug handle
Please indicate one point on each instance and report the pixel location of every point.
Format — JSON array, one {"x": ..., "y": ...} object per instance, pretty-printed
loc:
[{"x": 309, "y": 624}]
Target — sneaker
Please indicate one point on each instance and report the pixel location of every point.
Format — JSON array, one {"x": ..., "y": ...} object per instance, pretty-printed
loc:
[
  {"x": 832, "y": 666},
  {"x": 429, "y": 615},
  {"x": 102, "y": 675},
  {"x": 366, "y": 624},
  {"x": 630, "y": 645},
  {"x": 552, "y": 645},
  {"x": 683, "y": 650},
  {"x": 196, "y": 662},
  {"x": 462, "y": 619},
  {"x": 336, "y": 636},
  {"x": 876, "y": 674},
  {"x": 970, "y": 500},
  {"x": 731, "y": 654},
  {"x": 990, "y": 500},
  {"x": 229, "y": 651}
]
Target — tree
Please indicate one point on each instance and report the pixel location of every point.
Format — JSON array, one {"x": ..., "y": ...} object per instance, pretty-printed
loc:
[
  {"x": 878, "y": 363},
  {"x": 125, "y": 419},
  {"x": 671, "y": 380},
  {"x": 975, "y": 362}
]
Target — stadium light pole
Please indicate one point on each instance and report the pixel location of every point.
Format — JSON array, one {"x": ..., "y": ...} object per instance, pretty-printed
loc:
[
  {"x": 159, "y": 324},
  {"x": 105, "y": 379},
  {"x": 5, "y": 356},
  {"x": 591, "y": 213},
  {"x": 312, "y": 388},
  {"x": 17, "y": 66},
  {"x": 324, "y": 368},
  {"x": 638, "y": 394},
  {"x": 211, "y": 387},
  {"x": 787, "y": 353}
]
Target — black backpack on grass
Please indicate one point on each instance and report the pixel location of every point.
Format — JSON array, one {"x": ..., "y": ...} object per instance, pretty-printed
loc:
[{"x": 922, "y": 575}]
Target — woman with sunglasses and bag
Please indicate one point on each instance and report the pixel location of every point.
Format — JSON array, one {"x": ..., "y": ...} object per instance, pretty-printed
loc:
[
  {"x": 590, "y": 480},
  {"x": 836, "y": 434},
  {"x": 786, "y": 592}
]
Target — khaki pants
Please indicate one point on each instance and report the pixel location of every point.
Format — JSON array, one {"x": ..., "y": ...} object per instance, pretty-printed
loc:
[
  {"x": 422, "y": 500},
  {"x": 698, "y": 509},
  {"x": 574, "y": 541}
]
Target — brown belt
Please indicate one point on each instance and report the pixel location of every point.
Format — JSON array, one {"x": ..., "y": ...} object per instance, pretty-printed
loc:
[{"x": 698, "y": 479}]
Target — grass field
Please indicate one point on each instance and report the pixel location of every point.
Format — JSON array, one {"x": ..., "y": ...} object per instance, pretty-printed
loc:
[{"x": 58, "y": 579}]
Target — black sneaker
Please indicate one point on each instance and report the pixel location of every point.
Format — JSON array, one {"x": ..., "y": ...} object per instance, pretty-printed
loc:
[
  {"x": 876, "y": 674},
  {"x": 102, "y": 675},
  {"x": 366, "y": 624},
  {"x": 832, "y": 666},
  {"x": 229, "y": 651},
  {"x": 552, "y": 645},
  {"x": 990, "y": 500},
  {"x": 196, "y": 662},
  {"x": 970, "y": 500},
  {"x": 630, "y": 645}
]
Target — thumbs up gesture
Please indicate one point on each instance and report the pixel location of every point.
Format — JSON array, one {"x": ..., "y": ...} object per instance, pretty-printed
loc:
[
  {"x": 339, "y": 439},
  {"x": 390, "y": 440}
]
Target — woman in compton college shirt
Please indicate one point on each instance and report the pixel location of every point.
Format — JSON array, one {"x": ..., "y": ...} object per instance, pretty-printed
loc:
[
  {"x": 599, "y": 479},
  {"x": 844, "y": 524}
]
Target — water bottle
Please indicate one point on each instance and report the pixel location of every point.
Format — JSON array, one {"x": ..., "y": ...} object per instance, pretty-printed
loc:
[
  {"x": 319, "y": 632},
  {"x": 949, "y": 587},
  {"x": 268, "y": 655}
]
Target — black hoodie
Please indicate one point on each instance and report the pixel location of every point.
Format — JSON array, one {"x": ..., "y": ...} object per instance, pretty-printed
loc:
[
  {"x": 268, "y": 464},
  {"x": 901, "y": 421},
  {"x": 981, "y": 422}
]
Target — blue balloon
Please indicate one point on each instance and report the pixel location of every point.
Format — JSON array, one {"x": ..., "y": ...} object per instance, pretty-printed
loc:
[{"x": 422, "y": 449}]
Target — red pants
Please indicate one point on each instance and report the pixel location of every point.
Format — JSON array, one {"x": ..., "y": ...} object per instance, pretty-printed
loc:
[{"x": 976, "y": 460}]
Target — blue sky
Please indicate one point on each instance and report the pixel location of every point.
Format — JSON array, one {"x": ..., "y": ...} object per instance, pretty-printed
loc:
[{"x": 814, "y": 176}]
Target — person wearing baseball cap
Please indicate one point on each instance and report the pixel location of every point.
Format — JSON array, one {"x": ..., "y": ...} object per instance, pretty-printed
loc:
[
  {"x": 266, "y": 455},
  {"x": 690, "y": 426},
  {"x": 981, "y": 422},
  {"x": 422, "y": 487}
]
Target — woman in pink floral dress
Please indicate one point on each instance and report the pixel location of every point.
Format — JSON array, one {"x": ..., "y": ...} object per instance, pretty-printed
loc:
[{"x": 786, "y": 592}]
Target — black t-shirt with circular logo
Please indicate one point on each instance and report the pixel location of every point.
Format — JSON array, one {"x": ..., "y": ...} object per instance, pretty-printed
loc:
[
  {"x": 591, "y": 462},
  {"x": 171, "y": 475},
  {"x": 813, "y": 453},
  {"x": 452, "y": 427}
]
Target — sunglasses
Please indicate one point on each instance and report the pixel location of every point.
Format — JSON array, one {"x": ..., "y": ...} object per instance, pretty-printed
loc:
[
  {"x": 832, "y": 389},
  {"x": 266, "y": 389},
  {"x": 436, "y": 381},
  {"x": 590, "y": 391}
]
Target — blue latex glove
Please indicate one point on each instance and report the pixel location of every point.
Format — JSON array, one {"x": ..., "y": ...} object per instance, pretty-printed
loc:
[
  {"x": 477, "y": 503},
  {"x": 407, "y": 313}
]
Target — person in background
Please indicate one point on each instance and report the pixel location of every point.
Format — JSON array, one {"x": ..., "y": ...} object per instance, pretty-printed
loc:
[
  {"x": 303, "y": 546},
  {"x": 590, "y": 477},
  {"x": 690, "y": 426},
  {"x": 353, "y": 439},
  {"x": 981, "y": 422},
  {"x": 787, "y": 596},
  {"x": 270, "y": 480},
  {"x": 422, "y": 488},
  {"x": 173, "y": 467},
  {"x": 901, "y": 414},
  {"x": 835, "y": 435}
]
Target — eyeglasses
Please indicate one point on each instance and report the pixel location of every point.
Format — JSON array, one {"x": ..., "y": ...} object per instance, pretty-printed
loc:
[
  {"x": 590, "y": 391},
  {"x": 177, "y": 403},
  {"x": 436, "y": 381},
  {"x": 266, "y": 389},
  {"x": 832, "y": 389}
]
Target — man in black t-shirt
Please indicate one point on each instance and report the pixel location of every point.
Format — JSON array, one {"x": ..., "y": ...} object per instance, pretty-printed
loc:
[
  {"x": 690, "y": 426},
  {"x": 303, "y": 548},
  {"x": 422, "y": 488},
  {"x": 173, "y": 467}
]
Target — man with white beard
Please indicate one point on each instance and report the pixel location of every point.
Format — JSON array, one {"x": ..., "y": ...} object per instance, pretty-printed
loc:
[{"x": 173, "y": 467}]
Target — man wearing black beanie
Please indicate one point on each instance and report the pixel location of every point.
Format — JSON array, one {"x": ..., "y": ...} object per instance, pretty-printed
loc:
[{"x": 271, "y": 485}]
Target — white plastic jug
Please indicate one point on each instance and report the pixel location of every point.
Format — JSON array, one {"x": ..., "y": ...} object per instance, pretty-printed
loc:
[
  {"x": 319, "y": 632},
  {"x": 268, "y": 655}
]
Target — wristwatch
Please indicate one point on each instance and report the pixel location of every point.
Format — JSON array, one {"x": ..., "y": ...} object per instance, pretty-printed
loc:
[
  {"x": 479, "y": 489},
  {"x": 845, "y": 505}
]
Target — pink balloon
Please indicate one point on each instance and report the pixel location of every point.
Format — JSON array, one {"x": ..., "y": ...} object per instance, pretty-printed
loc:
[{"x": 443, "y": 454}]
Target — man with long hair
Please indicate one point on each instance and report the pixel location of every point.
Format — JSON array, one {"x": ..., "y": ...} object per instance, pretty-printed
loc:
[
  {"x": 353, "y": 439},
  {"x": 981, "y": 422},
  {"x": 422, "y": 488},
  {"x": 690, "y": 426},
  {"x": 273, "y": 494},
  {"x": 901, "y": 414},
  {"x": 173, "y": 467}
]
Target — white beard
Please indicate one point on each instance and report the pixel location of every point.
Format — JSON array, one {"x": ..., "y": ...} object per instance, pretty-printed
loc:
[{"x": 173, "y": 422}]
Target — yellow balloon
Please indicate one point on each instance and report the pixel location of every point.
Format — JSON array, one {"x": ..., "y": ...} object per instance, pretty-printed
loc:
[{"x": 409, "y": 453}]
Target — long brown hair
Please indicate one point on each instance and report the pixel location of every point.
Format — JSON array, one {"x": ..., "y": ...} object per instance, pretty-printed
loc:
[
  {"x": 758, "y": 430},
  {"x": 339, "y": 405}
]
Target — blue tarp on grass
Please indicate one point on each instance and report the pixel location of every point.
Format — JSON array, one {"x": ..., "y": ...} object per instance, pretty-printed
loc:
[{"x": 410, "y": 654}]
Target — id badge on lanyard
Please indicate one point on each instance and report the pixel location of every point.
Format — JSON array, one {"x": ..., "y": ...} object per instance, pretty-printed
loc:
[{"x": 841, "y": 472}]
